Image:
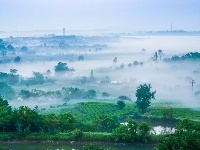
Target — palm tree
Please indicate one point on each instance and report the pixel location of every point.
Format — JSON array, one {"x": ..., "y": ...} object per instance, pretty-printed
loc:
[
  {"x": 156, "y": 57},
  {"x": 160, "y": 53}
]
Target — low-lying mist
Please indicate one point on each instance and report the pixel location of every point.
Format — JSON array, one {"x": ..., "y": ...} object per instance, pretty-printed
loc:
[{"x": 171, "y": 80}]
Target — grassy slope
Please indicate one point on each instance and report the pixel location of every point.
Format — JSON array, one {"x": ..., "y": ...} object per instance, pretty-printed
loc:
[
  {"x": 178, "y": 113},
  {"x": 89, "y": 110}
]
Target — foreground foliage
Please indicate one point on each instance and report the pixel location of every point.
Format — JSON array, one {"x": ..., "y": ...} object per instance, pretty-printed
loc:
[
  {"x": 27, "y": 124},
  {"x": 132, "y": 132},
  {"x": 186, "y": 137}
]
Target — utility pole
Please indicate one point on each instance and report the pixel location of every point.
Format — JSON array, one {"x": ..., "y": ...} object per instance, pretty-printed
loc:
[
  {"x": 192, "y": 82},
  {"x": 171, "y": 26}
]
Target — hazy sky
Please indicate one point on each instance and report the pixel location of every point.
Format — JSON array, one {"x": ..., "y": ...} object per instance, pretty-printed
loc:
[{"x": 20, "y": 15}]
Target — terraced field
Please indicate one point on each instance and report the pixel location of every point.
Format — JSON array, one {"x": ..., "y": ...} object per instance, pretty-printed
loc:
[{"x": 90, "y": 110}]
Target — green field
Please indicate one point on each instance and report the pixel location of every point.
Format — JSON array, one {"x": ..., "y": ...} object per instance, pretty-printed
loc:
[
  {"x": 96, "y": 136},
  {"x": 88, "y": 111}
]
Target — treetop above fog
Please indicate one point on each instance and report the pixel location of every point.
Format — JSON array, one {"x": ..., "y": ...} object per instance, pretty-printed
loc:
[
  {"x": 144, "y": 96},
  {"x": 62, "y": 67},
  {"x": 188, "y": 56}
]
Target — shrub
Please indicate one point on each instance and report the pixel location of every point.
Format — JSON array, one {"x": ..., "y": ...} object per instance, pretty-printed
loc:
[
  {"x": 121, "y": 104},
  {"x": 78, "y": 134}
]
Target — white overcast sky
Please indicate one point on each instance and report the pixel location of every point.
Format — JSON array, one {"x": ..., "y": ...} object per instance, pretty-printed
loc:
[{"x": 20, "y": 15}]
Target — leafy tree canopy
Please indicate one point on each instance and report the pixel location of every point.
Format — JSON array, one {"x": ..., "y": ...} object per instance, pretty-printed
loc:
[
  {"x": 121, "y": 104},
  {"x": 6, "y": 91},
  {"x": 24, "y": 48},
  {"x": 17, "y": 59},
  {"x": 144, "y": 96},
  {"x": 10, "y": 48},
  {"x": 131, "y": 132},
  {"x": 186, "y": 137},
  {"x": 62, "y": 67},
  {"x": 122, "y": 97},
  {"x": 81, "y": 58}
]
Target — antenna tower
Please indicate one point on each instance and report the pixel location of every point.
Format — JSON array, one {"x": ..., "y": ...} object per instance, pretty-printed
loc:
[{"x": 63, "y": 31}]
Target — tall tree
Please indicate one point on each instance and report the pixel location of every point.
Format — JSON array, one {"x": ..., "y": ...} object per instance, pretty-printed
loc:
[
  {"x": 156, "y": 57},
  {"x": 144, "y": 131},
  {"x": 6, "y": 91},
  {"x": 24, "y": 48},
  {"x": 10, "y": 48},
  {"x": 2, "y": 45},
  {"x": 103, "y": 123},
  {"x": 115, "y": 60},
  {"x": 51, "y": 123},
  {"x": 126, "y": 132},
  {"x": 144, "y": 96},
  {"x": 38, "y": 78},
  {"x": 17, "y": 59},
  {"x": 5, "y": 114},
  {"x": 135, "y": 63},
  {"x": 62, "y": 68},
  {"x": 121, "y": 104},
  {"x": 160, "y": 53},
  {"x": 26, "y": 120},
  {"x": 92, "y": 76},
  {"x": 66, "y": 122},
  {"x": 81, "y": 58}
]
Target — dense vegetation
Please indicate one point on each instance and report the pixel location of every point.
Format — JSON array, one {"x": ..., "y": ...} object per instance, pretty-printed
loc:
[
  {"x": 86, "y": 122},
  {"x": 189, "y": 56},
  {"x": 144, "y": 96},
  {"x": 64, "y": 94},
  {"x": 25, "y": 121},
  {"x": 86, "y": 107},
  {"x": 186, "y": 137},
  {"x": 86, "y": 112}
]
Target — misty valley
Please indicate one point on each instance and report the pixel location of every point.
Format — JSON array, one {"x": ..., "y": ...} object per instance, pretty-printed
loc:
[{"x": 105, "y": 91}]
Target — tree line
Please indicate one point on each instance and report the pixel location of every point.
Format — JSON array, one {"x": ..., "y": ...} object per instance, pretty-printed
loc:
[{"x": 24, "y": 120}]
